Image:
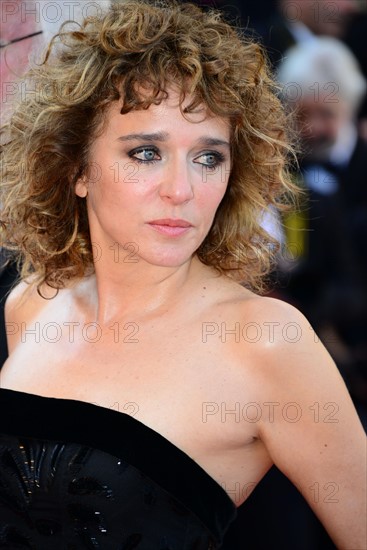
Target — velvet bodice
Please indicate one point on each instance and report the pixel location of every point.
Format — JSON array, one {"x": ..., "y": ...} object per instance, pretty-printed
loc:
[{"x": 74, "y": 475}]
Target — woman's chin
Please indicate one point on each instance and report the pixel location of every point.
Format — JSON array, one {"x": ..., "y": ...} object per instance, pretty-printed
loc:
[{"x": 168, "y": 259}]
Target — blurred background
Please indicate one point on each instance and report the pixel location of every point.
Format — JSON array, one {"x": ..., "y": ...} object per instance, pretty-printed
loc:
[{"x": 317, "y": 50}]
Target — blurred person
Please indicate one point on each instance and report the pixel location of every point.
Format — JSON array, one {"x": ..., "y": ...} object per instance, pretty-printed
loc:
[
  {"x": 322, "y": 82},
  {"x": 158, "y": 138},
  {"x": 300, "y": 21}
]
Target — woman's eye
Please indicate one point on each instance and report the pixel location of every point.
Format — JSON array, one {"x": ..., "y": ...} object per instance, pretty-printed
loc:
[
  {"x": 145, "y": 154},
  {"x": 210, "y": 160}
]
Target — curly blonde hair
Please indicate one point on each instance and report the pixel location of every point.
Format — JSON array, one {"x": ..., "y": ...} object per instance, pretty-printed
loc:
[{"x": 108, "y": 58}]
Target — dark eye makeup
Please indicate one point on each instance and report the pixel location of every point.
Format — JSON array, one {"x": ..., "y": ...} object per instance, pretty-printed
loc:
[
  {"x": 145, "y": 155},
  {"x": 213, "y": 159},
  {"x": 150, "y": 154}
]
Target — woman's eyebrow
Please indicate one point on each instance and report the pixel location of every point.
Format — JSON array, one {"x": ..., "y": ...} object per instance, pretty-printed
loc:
[
  {"x": 210, "y": 142},
  {"x": 156, "y": 136},
  {"x": 164, "y": 136}
]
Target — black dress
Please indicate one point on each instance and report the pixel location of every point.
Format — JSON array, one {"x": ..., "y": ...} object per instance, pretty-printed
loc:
[{"x": 74, "y": 475}]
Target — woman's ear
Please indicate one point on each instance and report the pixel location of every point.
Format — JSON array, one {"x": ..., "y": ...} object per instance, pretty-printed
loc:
[{"x": 81, "y": 188}]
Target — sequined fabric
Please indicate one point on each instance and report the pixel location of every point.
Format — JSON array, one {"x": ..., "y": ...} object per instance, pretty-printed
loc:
[{"x": 68, "y": 495}]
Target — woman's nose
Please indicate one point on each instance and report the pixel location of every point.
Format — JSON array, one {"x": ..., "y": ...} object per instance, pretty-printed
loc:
[{"x": 176, "y": 184}]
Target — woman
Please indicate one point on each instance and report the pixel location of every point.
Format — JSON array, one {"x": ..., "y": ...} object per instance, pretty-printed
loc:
[{"x": 146, "y": 391}]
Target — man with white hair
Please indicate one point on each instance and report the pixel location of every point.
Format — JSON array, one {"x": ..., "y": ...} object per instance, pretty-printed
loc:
[
  {"x": 300, "y": 21},
  {"x": 322, "y": 79}
]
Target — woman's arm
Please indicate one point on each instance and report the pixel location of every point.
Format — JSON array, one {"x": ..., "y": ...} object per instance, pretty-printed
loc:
[{"x": 313, "y": 433}]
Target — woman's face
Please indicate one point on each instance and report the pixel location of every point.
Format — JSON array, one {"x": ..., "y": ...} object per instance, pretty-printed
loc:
[{"x": 155, "y": 181}]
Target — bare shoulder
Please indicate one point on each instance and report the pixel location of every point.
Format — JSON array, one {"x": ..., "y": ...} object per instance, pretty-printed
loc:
[
  {"x": 265, "y": 321},
  {"x": 23, "y": 304},
  {"x": 265, "y": 308},
  {"x": 279, "y": 331},
  {"x": 275, "y": 346},
  {"x": 24, "y": 296},
  {"x": 18, "y": 299}
]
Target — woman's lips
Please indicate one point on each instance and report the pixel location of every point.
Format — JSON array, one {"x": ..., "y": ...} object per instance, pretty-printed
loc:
[{"x": 171, "y": 227}]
